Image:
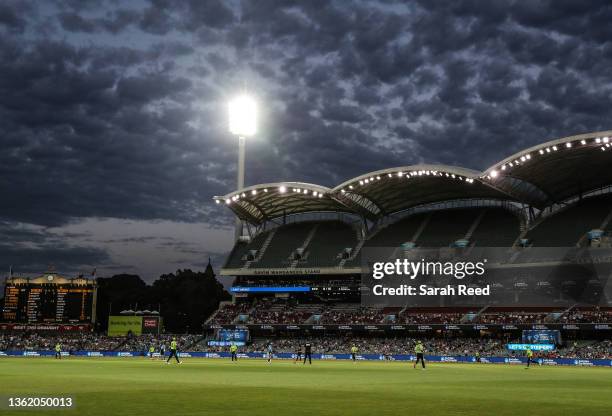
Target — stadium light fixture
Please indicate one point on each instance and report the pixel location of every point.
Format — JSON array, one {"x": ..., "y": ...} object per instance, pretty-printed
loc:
[
  {"x": 243, "y": 116},
  {"x": 242, "y": 123}
]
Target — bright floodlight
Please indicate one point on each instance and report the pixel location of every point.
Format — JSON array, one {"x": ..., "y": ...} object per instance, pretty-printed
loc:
[{"x": 243, "y": 116}]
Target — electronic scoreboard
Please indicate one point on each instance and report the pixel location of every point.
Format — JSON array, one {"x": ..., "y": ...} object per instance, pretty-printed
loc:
[{"x": 50, "y": 298}]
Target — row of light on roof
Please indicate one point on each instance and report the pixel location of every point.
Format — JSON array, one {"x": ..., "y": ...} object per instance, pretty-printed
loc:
[
  {"x": 414, "y": 173},
  {"x": 281, "y": 189},
  {"x": 604, "y": 141},
  {"x": 238, "y": 196}
]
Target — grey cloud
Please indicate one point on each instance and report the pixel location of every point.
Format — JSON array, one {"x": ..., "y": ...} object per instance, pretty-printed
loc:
[{"x": 118, "y": 110}]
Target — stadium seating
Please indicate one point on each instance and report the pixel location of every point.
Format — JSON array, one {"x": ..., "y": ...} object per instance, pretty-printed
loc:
[
  {"x": 326, "y": 247},
  {"x": 587, "y": 316},
  {"x": 286, "y": 240},
  {"x": 229, "y": 312},
  {"x": 431, "y": 318},
  {"x": 566, "y": 227},
  {"x": 327, "y": 240},
  {"x": 237, "y": 258},
  {"x": 391, "y": 235},
  {"x": 325, "y": 243},
  {"x": 497, "y": 228},
  {"x": 340, "y": 314},
  {"x": 282, "y": 311},
  {"x": 394, "y": 234},
  {"x": 269, "y": 312},
  {"x": 512, "y": 318},
  {"x": 447, "y": 226}
]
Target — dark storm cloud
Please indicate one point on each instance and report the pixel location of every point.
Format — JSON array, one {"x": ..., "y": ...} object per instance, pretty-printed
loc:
[
  {"x": 117, "y": 109},
  {"x": 33, "y": 250},
  {"x": 113, "y": 22},
  {"x": 11, "y": 17}
]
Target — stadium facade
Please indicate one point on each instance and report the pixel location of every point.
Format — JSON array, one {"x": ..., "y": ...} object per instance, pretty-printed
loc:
[{"x": 299, "y": 267}]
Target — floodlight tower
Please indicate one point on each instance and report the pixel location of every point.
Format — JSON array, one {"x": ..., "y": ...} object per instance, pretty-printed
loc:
[{"x": 242, "y": 123}]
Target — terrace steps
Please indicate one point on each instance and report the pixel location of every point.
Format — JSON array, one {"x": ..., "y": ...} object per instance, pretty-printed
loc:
[{"x": 262, "y": 250}]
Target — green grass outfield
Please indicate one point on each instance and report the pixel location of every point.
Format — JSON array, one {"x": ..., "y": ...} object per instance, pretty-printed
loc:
[{"x": 138, "y": 386}]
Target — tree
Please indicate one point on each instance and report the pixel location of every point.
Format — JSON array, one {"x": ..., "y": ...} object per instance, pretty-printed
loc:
[{"x": 185, "y": 298}]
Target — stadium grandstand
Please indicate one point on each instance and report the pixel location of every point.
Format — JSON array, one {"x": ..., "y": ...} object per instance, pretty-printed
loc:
[
  {"x": 297, "y": 267},
  {"x": 297, "y": 270}
]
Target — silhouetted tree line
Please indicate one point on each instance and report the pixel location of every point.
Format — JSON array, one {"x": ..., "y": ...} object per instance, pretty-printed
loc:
[{"x": 185, "y": 299}]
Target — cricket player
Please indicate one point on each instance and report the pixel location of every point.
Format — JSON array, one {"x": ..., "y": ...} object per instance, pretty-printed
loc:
[
  {"x": 58, "y": 351},
  {"x": 173, "y": 352},
  {"x": 419, "y": 350},
  {"x": 354, "y": 351},
  {"x": 529, "y": 355},
  {"x": 234, "y": 351}
]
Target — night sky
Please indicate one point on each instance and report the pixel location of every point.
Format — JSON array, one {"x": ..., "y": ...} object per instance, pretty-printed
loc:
[{"x": 113, "y": 121}]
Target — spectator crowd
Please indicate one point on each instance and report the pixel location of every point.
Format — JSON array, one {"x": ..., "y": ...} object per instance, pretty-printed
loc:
[
  {"x": 326, "y": 345},
  {"x": 278, "y": 312}
]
